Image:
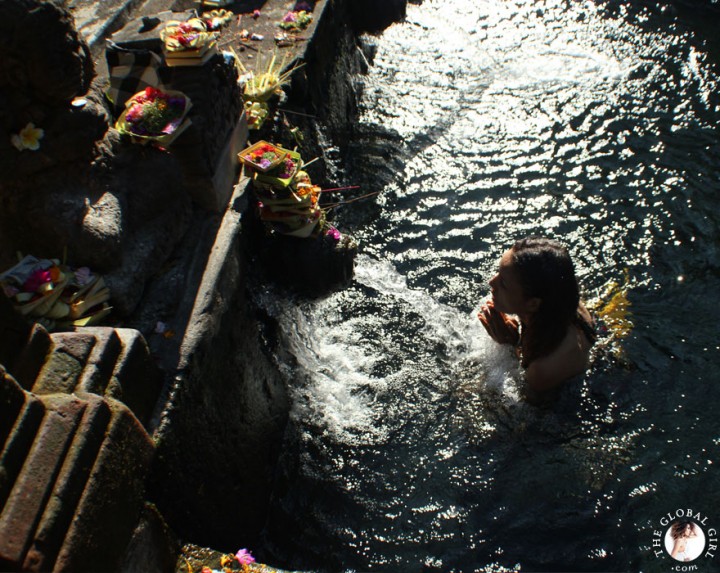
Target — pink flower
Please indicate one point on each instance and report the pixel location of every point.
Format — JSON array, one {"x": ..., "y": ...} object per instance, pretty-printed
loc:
[
  {"x": 333, "y": 233},
  {"x": 244, "y": 557},
  {"x": 36, "y": 280},
  {"x": 290, "y": 17}
]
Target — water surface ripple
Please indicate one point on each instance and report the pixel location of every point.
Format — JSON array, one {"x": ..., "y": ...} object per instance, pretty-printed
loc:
[{"x": 409, "y": 447}]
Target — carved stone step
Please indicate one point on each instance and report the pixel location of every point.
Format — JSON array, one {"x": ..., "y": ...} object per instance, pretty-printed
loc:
[
  {"x": 28, "y": 364},
  {"x": 109, "y": 362},
  {"x": 72, "y": 484}
]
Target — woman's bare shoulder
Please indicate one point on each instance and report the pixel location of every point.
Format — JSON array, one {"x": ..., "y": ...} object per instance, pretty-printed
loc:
[{"x": 569, "y": 359}]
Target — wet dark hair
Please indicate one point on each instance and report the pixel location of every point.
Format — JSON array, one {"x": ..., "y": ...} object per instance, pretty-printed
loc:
[
  {"x": 545, "y": 271},
  {"x": 678, "y": 529}
]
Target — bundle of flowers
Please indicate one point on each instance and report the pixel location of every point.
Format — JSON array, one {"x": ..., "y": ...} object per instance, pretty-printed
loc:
[
  {"x": 216, "y": 19},
  {"x": 188, "y": 43},
  {"x": 262, "y": 156},
  {"x": 256, "y": 113},
  {"x": 154, "y": 116},
  {"x": 187, "y": 36},
  {"x": 242, "y": 562},
  {"x": 291, "y": 209},
  {"x": 281, "y": 175},
  {"x": 295, "y": 21},
  {"x": 46, "y": 289},
  {"x": 266, "y": 80},
  {"x": 287, "y": 201}
]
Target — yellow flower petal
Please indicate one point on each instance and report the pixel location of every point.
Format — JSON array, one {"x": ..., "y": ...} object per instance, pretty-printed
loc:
[{"x": 28, "y": 138}]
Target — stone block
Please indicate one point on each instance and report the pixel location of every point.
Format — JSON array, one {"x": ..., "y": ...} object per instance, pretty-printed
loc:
[
  {"x": 18, "y": 443},
  {"x": 36, "y": 479},
  {"x": 30, "y": 361},
  {"x": 111, "y": 503},
  {"x": 12, "y": 400},
  {"x": 61, "y": 372},
  {"x": 101, "y": 362},
  {"x": 69, "y": 486},
  {"x": 212, "y": 189},
  {"x": 76, "y": 484},
  {"x": 136, "y": 381},
  {"x": 153, "y": 546},
  {"x": 77, "y": 345},
  {"x": 14, "y": 332}
]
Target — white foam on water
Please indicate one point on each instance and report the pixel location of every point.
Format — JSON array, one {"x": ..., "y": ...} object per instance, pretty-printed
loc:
[
  {"x": 466, "y": 339},
  {"x": 340, "y": 393}
]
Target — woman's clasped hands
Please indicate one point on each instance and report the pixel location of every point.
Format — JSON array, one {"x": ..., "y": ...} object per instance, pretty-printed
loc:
[{"x": 499, "y": 326}]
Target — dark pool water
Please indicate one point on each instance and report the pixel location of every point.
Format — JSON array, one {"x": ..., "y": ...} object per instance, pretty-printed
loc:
[{"x": 409, "y": 446}]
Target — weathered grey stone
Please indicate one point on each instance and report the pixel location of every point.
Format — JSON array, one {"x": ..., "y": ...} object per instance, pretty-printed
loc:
[
  {"x": 65, "y": 216},
  {"x": 60, "y": 373},
  {"x": 14, "y": 333},
  {"x": 112, "y": 500},
  {"x": 68, "y": 487},
  {"x": 153, "y": 547},
  {"x": 34, "y": 483},
  {"x": 38, "y": 80},
  {"x": 31, "y": 359},
  {"x": 145, "y": 252},
  {"x": 85, "y": 191},
  {"x": 71, "y": 489},
  {"x": 228, "y": 398},
  {"x": 77, "y": 345},
  {"x": 100, "y": 363},
  {"x": 18, "y": 442},
  {"x": 12, "y": 400},
  {"x": 312, "y": 266},
  {"x": 28, "y": 66},
  {"x": 136, "y": 380}
]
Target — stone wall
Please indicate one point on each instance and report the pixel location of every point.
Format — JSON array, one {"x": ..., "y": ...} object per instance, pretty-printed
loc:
[{"x": 220, "y": 437}]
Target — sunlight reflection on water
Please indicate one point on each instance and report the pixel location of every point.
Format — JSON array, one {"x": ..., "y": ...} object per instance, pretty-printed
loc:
[{"x": 410, "y": 447}]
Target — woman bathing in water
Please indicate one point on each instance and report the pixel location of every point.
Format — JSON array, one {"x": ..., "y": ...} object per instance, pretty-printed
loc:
[{"x": 553, "y": 331}]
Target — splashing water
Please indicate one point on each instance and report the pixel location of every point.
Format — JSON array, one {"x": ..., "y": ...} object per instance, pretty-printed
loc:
[{"x": 409, "y": 446}]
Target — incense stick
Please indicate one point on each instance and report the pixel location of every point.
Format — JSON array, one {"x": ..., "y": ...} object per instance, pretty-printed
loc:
[
  {"x": 331, "y": 205},
  {"x": 339, "y": 188},
  {"x": 298, "y": 113}
]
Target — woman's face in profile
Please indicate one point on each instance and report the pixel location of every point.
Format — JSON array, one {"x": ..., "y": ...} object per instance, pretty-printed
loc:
[{"x": 507, "y": 292}]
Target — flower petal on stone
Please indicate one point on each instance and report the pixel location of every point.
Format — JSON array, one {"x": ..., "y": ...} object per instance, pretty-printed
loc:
[
  {"x": 244, "y": 557},
  {"x": 28, "y": 138}
]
